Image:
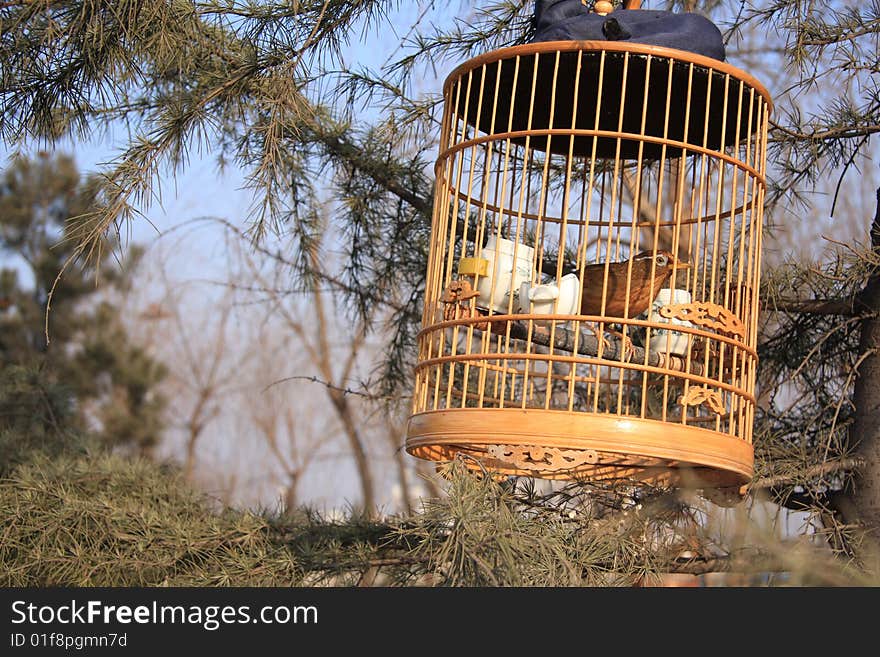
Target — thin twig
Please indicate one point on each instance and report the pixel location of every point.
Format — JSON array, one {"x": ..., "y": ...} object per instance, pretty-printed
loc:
[{"x": 345, "y": 391}]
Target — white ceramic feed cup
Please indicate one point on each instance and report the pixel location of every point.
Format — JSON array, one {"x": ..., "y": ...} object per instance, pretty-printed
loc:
[
  {"x": 666, "y": 341},
  {"x": 538, "y": 300},
  {"x": 503, "y": 274},
  {"x": 542, "y": 299}
]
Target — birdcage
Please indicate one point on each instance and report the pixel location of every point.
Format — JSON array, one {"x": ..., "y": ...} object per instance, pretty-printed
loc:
[{"x": 592, "y": 286}]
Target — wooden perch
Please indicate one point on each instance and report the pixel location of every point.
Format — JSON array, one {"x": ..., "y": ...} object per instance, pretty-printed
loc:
[
  {"x": 564, "y": 339},
  {"x": 455, "y": 306}
]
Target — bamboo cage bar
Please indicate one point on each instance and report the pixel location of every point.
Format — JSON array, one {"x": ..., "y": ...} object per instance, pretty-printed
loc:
[{"x": 592, "y": 287}]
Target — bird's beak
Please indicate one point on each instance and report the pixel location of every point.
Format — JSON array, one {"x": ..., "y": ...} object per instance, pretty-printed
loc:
[{"x": 683, "y": 265}]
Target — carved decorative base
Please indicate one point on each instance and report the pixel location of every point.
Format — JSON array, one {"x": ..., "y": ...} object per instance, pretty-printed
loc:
[
  {"x": 546, "y": 459},
  {"x": 581, "y": 445}
]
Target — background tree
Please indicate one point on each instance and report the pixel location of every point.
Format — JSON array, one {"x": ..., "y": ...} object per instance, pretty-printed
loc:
[
  {"x": 254, "y": 365},
  {"x": 324, "y": 350},
  {"x": 112, "y": 381},
  {"x": 819, "y": 370}
]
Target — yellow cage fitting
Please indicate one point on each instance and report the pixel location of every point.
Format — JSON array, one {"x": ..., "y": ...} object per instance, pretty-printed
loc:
[{"x": 473, "y": 266}]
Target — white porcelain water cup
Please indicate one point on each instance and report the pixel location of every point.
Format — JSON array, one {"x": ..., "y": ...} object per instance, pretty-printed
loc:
[
  {"x": 569, "y": 288},
  {"x": 504, "y": 273},
  {"x": 542, "y": 299},
  {"x": 537, "y": 299},
  {"x": 668, "y": 341}
]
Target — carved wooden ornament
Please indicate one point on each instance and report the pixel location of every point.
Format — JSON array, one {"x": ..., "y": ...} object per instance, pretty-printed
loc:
[
  {"x": 546, "y": 458},
  {"x": 697, "y": 395},
  {"x": 707, "y": 315}
]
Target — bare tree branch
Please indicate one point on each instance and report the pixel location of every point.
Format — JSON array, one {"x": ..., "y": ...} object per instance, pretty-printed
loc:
[{"x": 344, "y": 391}]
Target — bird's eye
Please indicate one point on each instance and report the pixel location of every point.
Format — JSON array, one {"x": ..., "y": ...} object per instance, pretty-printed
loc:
[{"x": 662, "y": 259}]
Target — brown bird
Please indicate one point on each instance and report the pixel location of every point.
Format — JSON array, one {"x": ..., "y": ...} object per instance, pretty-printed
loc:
[{"x": 642, "y": 288}]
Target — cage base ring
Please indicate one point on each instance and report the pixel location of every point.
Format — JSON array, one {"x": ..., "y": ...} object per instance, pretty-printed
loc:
[{"x": 539, "y": 443}]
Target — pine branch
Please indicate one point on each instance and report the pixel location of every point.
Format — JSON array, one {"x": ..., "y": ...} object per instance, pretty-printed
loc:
[
  {"x": 820, "y": 470},
  {"x": 746, "y": 561},
  {"x": 587, "y": 344},
  {"x": 346, "y": 152},
  {"x": 845, "y": 306},
  {"x": 835, "y": 37},
  {"x": 830, "y": 134}
]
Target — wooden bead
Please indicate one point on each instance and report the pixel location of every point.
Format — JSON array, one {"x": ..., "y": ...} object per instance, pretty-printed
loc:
[{"x": 603, "y": 7}]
